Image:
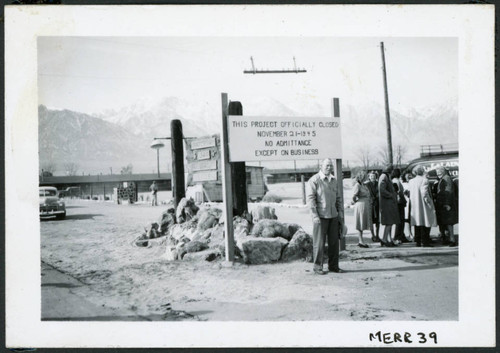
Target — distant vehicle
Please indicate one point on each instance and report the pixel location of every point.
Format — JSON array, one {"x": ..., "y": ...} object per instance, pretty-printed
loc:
[
  {"x": 432, "y": 157},
  {"x": 50, "y": 204},
  {"x": 72, "y": 191},
  {"x": 448, "y": 160}
]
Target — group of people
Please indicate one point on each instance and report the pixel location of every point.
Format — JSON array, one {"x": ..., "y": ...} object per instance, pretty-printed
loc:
[
  {"x": 385, "y": 201},
  {"x": 381, "y": 201}
]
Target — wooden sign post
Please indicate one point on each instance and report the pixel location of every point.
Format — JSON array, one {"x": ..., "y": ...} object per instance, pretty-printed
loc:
[
  {"x": 238, "y": 172},
  {"x": 227, "y": 193},
  {"x": 178, "y": 188},
  {"x": 338, "y": 167}
]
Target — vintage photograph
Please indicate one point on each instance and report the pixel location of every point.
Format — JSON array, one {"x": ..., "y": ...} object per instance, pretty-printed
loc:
[
  {"x": 335, "y": 158},
  {"x": 115, "y": 236}
]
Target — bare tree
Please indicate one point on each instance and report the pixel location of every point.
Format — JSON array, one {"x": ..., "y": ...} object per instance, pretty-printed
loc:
[
  {"x": 70, "y": 168},
  {"x": 400, "y": 154},
  {"x": 384, "y": 155},
  {"x": 127, "y": 169},
  {"x": 363, "y": 154}
]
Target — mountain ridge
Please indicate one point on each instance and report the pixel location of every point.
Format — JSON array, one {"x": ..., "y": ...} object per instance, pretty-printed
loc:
[{"x": 113, "y": 139}]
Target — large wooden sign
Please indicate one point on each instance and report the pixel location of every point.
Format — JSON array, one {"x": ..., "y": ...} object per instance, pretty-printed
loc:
[
  {"x": 203, "y": 143},
  {"x": 208, "y": 175},
  {"x": 203, "y": 157},
  {"x": 283, "y": 138}
]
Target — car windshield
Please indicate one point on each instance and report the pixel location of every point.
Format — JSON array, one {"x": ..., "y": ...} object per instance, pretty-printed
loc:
[{"x": 43, "y": 192}]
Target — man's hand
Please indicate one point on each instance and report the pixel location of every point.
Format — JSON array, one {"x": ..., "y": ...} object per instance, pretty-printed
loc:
[
  {"x": 341, "y": 230},
  {"x": 447, "y": 207},
  {"x": 316, "y": 220}
]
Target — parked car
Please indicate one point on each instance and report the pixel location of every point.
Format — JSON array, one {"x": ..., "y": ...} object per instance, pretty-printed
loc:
[
  {"x": 50, "y": 203},
  {"x": 430, "y": 161}
]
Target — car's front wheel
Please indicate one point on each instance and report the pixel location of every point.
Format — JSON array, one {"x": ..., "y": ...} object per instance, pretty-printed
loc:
[{"x": 61, "y": 216}]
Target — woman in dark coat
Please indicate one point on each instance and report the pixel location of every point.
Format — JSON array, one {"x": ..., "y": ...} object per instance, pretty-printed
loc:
[
  {"x": 372, "y": 185},
  {"x": 398, "y": 187},
  {"x": 446, "y": 204},
  {"x": 389, "y": 213}
]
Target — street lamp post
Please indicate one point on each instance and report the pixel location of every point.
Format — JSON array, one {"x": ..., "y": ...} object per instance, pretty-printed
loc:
[
  {"x": 156, "y": 144},
  {"x": 177, "y": 158}
]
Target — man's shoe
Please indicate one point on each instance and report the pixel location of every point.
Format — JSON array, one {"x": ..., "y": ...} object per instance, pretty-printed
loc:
[
  {"x": 453, "y": 244},
  {"x": 418, "y": 244},
  {"x": 319, "y": 272},
  {"x": 337, "y": 270},
  {"x": 427, "y": 246}
]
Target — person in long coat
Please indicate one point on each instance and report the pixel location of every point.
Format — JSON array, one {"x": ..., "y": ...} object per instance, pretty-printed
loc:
[
  {"x": 372, "y": 185},
  {"x": 389, "y": 213},
  {"x": 446, "y": 204},
  {"x": 362, "y": 207},
  {"x": 400, "y": 227},
  {"x": 423, "y": 215}
]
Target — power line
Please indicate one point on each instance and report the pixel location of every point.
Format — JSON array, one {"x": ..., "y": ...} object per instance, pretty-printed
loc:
[
  {"x": 99, "y": 39},
  {"x": 99, "y": 77}
]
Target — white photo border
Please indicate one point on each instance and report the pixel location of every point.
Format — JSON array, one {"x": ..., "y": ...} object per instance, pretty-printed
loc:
[{"x": 473, "y": 25}]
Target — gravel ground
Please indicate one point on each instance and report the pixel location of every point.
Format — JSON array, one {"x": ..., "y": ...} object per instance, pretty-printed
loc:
[{"x": 94, "y": 246}]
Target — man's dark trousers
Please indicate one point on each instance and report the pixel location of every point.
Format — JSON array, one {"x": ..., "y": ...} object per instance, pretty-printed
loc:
[
  {"x": 422, "y": 235},
  {"x": 399, "y": 234},
  {"x": 329, "y": 227}
]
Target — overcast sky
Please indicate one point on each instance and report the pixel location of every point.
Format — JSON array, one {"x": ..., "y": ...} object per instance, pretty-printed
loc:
[{"x": 91, "y": 74}]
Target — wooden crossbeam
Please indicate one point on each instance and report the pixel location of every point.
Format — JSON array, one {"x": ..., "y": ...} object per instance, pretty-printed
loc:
[
  {"x": 254, "y": 71},
  {"x": 290, "y": 71}
]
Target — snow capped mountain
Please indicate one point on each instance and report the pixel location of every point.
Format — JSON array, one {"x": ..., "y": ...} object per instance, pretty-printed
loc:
[
  {"x": 91, "y": 143},
  {"x": 116, "y": 138},
  {"x": 265, "y": 106},
  {"x": 364, "y": 127},
  {"x": 152, "y": 118}
]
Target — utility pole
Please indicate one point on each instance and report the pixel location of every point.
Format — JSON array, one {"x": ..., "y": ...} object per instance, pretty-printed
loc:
[{"x": 387, "y": 114}]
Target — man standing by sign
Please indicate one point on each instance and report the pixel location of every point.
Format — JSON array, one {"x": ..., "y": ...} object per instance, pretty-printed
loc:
[
  {"x": 325, "y": 202},
  {"x": 154, "y": 194}
]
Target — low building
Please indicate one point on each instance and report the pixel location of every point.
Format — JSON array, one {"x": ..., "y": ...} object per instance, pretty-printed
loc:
[
  {"x": 292, "y": 175},
  {"x": 102, "y": 186}
]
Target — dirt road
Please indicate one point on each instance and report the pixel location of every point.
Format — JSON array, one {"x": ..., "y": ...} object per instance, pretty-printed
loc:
[{"x": 92, "y": 252}]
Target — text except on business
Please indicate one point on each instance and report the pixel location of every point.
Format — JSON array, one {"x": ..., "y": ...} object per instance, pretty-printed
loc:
[{"x": 292, "y": 152}]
